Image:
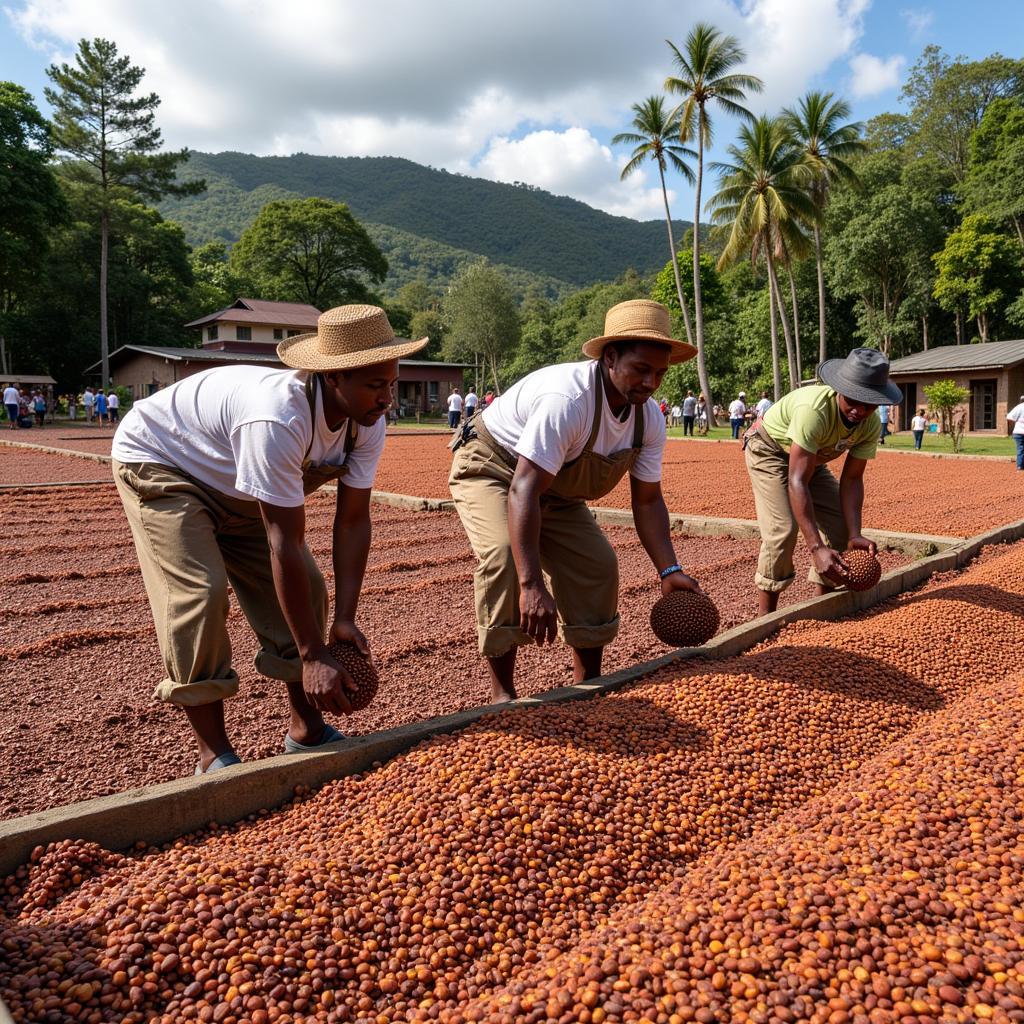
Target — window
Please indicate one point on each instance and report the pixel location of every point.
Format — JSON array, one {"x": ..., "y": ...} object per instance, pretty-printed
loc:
[
  {"x": 983, "y": 404},
  {"x": 278, "y": 334},
  {"x": 243, "y": 333},
  {"x": 211, "y": 333},
  {"x": 432, "y": 390},
  {"x": 294, "y": 334}
]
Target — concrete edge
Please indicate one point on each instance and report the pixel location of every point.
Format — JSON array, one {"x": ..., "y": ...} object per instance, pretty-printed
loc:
[
  {"x": 157, "y": 814},
  {"x": 56, "y": 483},
  {"x": 49, "y": 449}
]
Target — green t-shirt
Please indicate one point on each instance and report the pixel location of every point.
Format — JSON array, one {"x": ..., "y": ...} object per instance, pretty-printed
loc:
[{"x": 809, "y": 417}]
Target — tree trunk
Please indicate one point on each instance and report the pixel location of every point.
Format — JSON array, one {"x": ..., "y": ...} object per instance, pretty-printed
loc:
[
  {"x": 683, "y": 305},
  {"x": 1018, "y": 223},
  {"x": 4, "y": 368},
  {"x": 776, "y": 369},
  {"x": 796, "y": 326},
  {"x": 783, "y": 314},
  {"x": 494, "y": 373},
  {"x": 983, "y": 327},
  {"x": 104, "y": 343},
  {"x": 959, "y": 327},
  {"x": 821, "y": 296},
  {"x": 773, "y": 278},
  {"x": 924, "y": 330},
  {"x": 698, "y": 309}
]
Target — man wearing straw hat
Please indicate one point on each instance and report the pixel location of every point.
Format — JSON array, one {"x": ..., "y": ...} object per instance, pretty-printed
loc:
[
  {"x": 523, "y": 471},
  {"x": 794, "y": 492},
  {"x": 213, "y": 473}
]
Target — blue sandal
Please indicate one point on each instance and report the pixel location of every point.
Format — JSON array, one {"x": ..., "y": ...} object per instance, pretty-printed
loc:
[
  {"x": 221, "y": 761},
  {"x": 331, "y": 735}
]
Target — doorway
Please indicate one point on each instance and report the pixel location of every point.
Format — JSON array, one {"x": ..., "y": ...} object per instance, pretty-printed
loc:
[
  {"x": 983, "y": 405},
  {"x": 908, "y": 407}
]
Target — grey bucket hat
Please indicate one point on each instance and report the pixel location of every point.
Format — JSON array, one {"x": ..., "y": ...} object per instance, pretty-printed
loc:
[{"x": 863, "y": 376}]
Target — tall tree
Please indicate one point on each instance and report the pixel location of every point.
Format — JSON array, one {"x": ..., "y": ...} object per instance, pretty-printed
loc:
[
  {"x": 308, "y": 250},
  {"x": 763, "y": 190},
  {"x": 994, "y": 185},
  {"x": 31, "y": 204},
  {"x": 705, "y": 78},
  {"x": 112, "y": 143},
  {"x": 481, "y": 317},
  {"x": 818, "y": 124},
  {"x": 948, "y": 98},
  {"x": 654, "y": 135}
]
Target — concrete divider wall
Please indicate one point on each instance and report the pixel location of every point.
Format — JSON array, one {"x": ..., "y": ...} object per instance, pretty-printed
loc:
[{"x": 157, "y": 814}]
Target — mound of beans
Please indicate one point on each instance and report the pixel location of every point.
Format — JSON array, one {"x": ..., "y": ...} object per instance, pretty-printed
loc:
[{"x": 816, "y": 831}]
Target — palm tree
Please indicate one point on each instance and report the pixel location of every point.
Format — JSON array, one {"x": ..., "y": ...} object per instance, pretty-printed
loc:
[
  {"x": 764, "y": 194},
  {"x": 704, "y": 76},
  {"x": 653, "y": 138},
  {"x": 818, "y": 126}
]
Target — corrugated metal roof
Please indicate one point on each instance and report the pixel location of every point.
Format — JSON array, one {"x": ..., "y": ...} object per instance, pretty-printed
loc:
[
  {"x": 263, "y": 311},
  {"x": 992, "y": 356}
]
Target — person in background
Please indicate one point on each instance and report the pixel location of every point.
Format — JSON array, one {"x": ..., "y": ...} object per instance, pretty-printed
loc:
[
  {"x": 454, "y": 408},
  {"x": 689, "y": 413},
  {"x": 39, "y": 408},
  {"x": 89, "y": 401},
  {"x": 883, "y": 416},
  {"x": 72, "y": 406},
  {"x": 113, "y": 406},
  {"x": 919, "y": 425},
  {"x": 11, "y": 405},
  {"x": 1016, "y": 417},
  {"x": 737, "y": 411},
  {"x": 470, "y": 404},
  {"x": 24, "y": 409},
  {"x": 701, "y": 410},
  {"x": 488, "y": 398},
  {"x": 763, "y": 406},
  {"x": 677, "y": 414},
  {"x": 100, "y": 407}
]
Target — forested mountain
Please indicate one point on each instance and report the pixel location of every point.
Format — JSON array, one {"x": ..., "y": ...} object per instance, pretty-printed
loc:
[{"x": 452, "y": 217}]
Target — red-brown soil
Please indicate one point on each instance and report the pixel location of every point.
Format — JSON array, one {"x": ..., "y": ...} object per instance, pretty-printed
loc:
[
  {"x": 826, "y": 829},
  {"x": 80, "y": 658}
]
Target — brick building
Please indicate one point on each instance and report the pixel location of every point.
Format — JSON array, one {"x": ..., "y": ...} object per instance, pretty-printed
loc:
[
  {"x": 993, "y": 373},
  {"x": 247, "y": 332}
]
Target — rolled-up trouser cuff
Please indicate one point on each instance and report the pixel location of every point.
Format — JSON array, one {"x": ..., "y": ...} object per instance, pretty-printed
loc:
[
  {"x": 273, "y": 666},
  {"x": 815, "y": 577},
  {"x": 589, "y": 636},
  {"x": 494, "y": 641},
  {"x": 202, "y": 691},
  {"x": 772, "y": 586}
]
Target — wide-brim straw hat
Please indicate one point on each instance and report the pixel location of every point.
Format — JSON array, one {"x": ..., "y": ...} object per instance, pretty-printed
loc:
[
  {"x": 346, "y": 338},
  {"x": 863, "y": 376},
  {"x": 639, "y": 320}
]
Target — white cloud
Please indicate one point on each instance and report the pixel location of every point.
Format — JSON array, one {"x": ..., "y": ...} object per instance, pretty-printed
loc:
[
  {"x": 918, "y": 20},
  {"x": 873, "y": 75},
  {"x": 574, "y": 163},
  {"x": 459, "y": 84}
]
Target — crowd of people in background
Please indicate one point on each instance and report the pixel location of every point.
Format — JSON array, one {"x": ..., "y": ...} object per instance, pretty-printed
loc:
[
  {"x": 463, "y": 408},
  {"x": 27, "y": 408}
]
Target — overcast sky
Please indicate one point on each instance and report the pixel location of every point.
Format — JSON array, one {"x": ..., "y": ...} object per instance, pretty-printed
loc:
[{"x": 525, "y": 90}]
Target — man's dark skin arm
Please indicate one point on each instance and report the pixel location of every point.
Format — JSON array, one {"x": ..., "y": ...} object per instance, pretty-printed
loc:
[
  {"x": 324, "y": 681},
  {"x": 802, "y": 465},
  {"x": 650, "y": 514},
  {"x": 351, "y": 549},
  {"x": 537, "y": 614}
]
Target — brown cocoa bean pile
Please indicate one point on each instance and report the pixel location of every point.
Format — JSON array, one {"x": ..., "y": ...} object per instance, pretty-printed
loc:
[
  {"x": 26, "y": 466},
  {"x": 79, "y": 657},
  {"x": 826, "y": 829}
]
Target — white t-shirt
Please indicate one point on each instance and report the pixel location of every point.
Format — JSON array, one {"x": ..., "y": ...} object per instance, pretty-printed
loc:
[
  {"x": 455, "y": 403},
  {"x": 737, "y": 410},
  {"x": 1015, "y": 416},
  {"x": 763, "y": 406},
  {"x": 112, "y": 400},
  {"x": 689, "y": 406},
  {"x": 471, "y": 400},
  {"x": 920, "y": 423},
  {"x": 10, "y": 396},
  {"x": 88, "y": 398},
  {"x": 244, "y": 431},
  {"x": 547, "y": 417},
  {"x": 676, "y": 411}
]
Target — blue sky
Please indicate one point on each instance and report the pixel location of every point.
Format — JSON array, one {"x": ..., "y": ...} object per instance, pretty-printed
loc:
[{"x": 531, "y": 90}]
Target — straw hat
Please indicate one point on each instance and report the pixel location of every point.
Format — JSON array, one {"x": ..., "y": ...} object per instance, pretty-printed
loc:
[
  {"x": 639, "y": 320},
  {"x": 346, "y": 338}
]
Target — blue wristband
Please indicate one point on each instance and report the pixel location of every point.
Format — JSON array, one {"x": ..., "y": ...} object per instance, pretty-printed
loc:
[{"x": 668, "y": 570}]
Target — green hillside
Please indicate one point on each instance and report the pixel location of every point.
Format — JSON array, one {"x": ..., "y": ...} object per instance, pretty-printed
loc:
[{"x": 450, "y": 217}]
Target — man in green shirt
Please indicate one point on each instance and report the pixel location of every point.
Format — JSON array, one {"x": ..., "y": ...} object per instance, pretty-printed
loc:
[{"x": 794, "y": 492}]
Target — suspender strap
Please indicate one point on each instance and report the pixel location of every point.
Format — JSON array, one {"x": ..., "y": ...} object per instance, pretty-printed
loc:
[
  {"x": 638, "y": 425},
  {"x": 638, "y": 416},
  {"x": 312, "y": 385}
]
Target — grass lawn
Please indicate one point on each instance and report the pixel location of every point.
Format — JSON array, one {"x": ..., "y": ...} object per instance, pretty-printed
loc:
[
  {"x": 974, "y": 444},
  {"x": 718, "y": 433}
]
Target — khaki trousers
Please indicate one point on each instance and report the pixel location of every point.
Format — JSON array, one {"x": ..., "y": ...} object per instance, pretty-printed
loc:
[
  {"x": 768, "y": 466},
  {"x": 193, "y": 542},
  {"x": 579, "y": 564}
]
